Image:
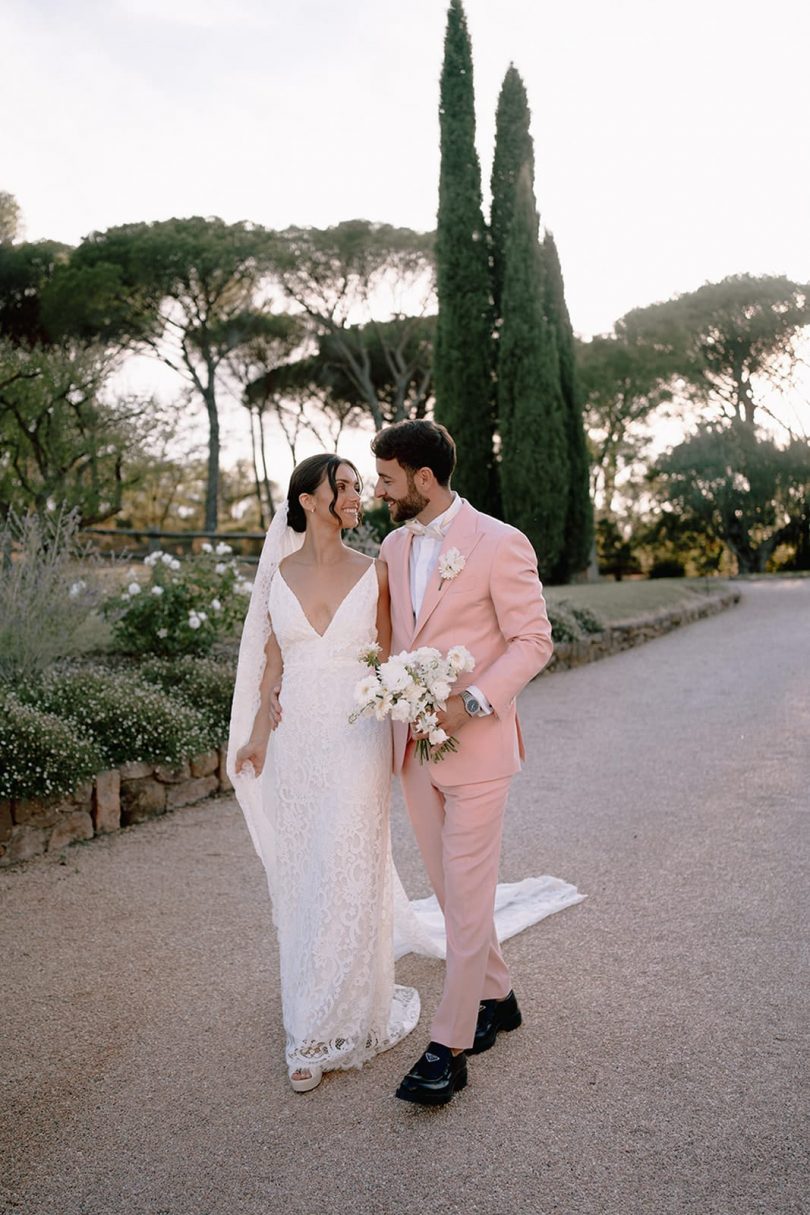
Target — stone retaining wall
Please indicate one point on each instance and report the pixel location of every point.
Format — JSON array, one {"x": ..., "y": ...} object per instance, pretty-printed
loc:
[
  {"x": 117, "y": 798},
  {"x": 629, "y": 633}
]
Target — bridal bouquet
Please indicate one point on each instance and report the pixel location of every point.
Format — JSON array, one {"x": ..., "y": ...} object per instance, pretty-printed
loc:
[{"x": 411, "y": 687}]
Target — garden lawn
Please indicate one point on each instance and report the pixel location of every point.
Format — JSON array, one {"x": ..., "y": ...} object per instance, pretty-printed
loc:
[{"x": 627, "y": 600}]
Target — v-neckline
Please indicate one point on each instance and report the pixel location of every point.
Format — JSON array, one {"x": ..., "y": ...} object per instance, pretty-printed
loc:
[{"x": 350, "y": 592}]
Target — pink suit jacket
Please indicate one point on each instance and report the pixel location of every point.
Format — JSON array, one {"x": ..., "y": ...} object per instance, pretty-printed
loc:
[{"x": 495, "y": 608}]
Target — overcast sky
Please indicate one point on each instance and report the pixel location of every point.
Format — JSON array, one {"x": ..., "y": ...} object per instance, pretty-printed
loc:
[{"x": 671, "y": 138}]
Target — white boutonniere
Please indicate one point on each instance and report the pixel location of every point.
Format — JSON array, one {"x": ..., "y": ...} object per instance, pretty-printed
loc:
[{"x": 451, "y": 564}]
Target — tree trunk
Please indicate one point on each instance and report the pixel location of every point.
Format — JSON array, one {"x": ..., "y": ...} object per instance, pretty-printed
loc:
[
  {"x": 212, "y": 486},
  {"x": 256, "y": 478},
  {"x": 271, "y": 510}
]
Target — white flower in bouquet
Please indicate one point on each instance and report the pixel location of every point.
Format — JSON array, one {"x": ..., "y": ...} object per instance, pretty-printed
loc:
[
  {"x": 440, "y": 689},
  {"x": 394, "y": 675},
  {"x": 371, "y": 654},
  {"x": 401, "y": 710},
  {"x": 366, "y": 690},
  {"x": 460, "y": 659}
]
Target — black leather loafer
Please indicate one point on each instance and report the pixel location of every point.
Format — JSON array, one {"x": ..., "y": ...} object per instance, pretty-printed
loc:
[
  {"x": 435, "y": 1077},
  {"x": 494, "y": 1016}
]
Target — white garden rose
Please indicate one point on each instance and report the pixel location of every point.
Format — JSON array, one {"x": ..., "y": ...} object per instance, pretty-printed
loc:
[
  {"x": 440, "y": 690},
  {"x": 437, "y": 737},
  {"x": 366, "y": 689},
  {"x": 460, "y": 658},
  {"x": 157, "y": 590},
  {"x": 401, "y": 711},
  {"x": 134, "y": 588},
  {"x": 394, "y": 675}
]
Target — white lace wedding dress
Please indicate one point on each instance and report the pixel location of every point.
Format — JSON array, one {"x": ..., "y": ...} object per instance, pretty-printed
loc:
[{"x": 325, "y": 792}]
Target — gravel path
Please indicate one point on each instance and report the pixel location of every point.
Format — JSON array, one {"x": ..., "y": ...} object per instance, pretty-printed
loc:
[{"x": 659, "y": 1067}]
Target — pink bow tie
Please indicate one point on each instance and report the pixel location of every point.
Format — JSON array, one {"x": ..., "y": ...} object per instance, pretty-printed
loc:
[{"x": 431, "y": 531}]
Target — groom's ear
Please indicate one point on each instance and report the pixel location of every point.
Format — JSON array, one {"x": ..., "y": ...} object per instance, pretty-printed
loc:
[{"x": 425, "y": 479}]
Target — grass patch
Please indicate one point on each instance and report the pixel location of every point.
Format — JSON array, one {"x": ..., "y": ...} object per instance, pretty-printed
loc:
[{"x": 618, "y": 601}]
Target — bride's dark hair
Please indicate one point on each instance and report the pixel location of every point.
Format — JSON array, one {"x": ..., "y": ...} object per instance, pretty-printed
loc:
[{"x": 305, "y": 479}]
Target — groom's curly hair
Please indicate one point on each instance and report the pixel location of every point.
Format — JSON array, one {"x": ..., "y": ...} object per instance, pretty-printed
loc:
[{"x": 418, "y": 444}]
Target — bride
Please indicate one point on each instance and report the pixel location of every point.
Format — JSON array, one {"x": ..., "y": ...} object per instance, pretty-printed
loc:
[{"x": 315, "y": 789}]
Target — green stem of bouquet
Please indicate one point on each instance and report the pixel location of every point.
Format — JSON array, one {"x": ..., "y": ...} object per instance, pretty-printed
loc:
[{"x": 425, "y": 752}]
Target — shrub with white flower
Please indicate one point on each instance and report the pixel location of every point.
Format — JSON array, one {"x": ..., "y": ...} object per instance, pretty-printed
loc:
[
  {"x": 411, "y": 687},
  {"x": 182, "y": 607},
  {"x": 205, "y": 684},
  {"x": 42, "y": 755},
  {"x": 125, "y": 718}
]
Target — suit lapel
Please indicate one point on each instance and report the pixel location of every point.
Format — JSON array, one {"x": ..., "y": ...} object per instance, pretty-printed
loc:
[
  {"x": 401, "y": 580},
  {"x": 463, "y": 535}
]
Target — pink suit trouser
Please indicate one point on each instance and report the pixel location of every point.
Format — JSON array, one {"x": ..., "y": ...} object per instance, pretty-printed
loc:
[{"x": 458, "y": 830}]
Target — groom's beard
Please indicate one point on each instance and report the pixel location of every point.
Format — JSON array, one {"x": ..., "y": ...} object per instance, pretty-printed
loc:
[{"x": 402, "y": 509}]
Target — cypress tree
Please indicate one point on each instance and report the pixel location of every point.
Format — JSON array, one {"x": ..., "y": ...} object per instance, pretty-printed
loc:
[
  {"x": 514, "y": 148},
  {"x": 463, "y": 357},
  {"x": 578, "y": 536},
  {"x": 534, "y": 461}
]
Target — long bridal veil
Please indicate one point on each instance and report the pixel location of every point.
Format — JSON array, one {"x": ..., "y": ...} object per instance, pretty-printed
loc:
[
  {"x": 419, "y": 923},
  {"x": 279, "y": 542}
]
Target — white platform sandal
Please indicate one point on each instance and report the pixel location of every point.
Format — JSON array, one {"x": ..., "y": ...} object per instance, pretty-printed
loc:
[{"x": 308, "y": 1081}]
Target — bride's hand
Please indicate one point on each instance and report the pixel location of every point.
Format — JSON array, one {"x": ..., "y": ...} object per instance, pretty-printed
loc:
[{"x": 253, "y": 753}]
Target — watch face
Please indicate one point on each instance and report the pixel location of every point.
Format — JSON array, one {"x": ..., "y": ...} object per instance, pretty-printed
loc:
[{"x": 471, "y": 705}]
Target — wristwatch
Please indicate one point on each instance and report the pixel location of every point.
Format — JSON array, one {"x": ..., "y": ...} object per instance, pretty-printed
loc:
[{"x": 472, "y": 705}]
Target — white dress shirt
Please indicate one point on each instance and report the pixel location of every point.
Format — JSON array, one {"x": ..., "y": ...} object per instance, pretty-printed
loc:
[{"x": 426, "y": 544}]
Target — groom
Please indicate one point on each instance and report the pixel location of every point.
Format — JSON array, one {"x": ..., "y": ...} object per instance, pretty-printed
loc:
[{"x": 459, "y": 577}]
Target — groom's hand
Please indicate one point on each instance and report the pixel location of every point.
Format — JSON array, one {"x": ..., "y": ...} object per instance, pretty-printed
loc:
[
  {"x": 454, "y": 717},
  {"x": 274, "y": 706}
]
